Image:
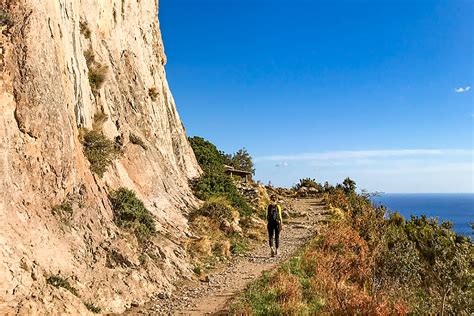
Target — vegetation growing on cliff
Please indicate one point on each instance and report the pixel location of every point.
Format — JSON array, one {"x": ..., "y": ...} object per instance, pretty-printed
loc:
[
  {"x": 365, "y": 262},
  {"x": 153, "y": 93},
  {"x": 97, "y": 72},
  {"x": 5, "y": 18},
  {"x": 131, "y": 213},
  {"x": 136, "y": 140},
  {"x": 59, "y": 281},
  {"x": 97, "y": 76},
  {"x": 84, "y": 29},
  {"x": 92, "y": 307},
  {"x": 99, "y": 150}
]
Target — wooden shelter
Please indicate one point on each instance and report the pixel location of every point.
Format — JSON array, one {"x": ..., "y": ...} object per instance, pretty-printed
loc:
[{"x": 242, "y": 174}]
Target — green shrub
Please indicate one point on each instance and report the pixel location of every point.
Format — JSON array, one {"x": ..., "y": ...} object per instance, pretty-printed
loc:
[
  {"x": 396, "y": 219},
  {"x": 197, "y": 270},
  {"x": 131, "y": 213},
  {"x": 84, "y": 29},
  {"x": 134, "y": 139},
  {"x": 208, "y": 156},
  {"x": 213, "y": 184},
  {"x": 99, "y": 150},
  {"x": 93, "y": 308},
  {"x": 153, "y": 93},
  {"x": 58, "y": 281},
  {"x": 217, "y": 208}
]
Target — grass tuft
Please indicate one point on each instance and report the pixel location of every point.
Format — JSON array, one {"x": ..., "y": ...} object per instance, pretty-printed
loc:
[
  {"x": 58, "y": 281},
  {"x": 93, "y": 308},
  {"x": 216, "y": 208},
  {"x": 239, "y": 245}
]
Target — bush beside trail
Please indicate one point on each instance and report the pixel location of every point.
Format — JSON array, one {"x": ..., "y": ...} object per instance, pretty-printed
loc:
[
  {"x": 368, "y": 261},
  {"x": 223, "y": 221}
]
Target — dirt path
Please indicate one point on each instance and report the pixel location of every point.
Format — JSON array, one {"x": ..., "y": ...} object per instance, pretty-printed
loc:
[{"x": 200, "y": 298}]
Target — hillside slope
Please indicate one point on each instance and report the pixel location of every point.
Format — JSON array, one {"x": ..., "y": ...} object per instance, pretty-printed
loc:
[{"x": 48, "y": 51}]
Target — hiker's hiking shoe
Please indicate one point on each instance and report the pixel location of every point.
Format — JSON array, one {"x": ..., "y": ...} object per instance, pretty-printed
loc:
[
  {"x": 272, "y": 252},
  {"x": 276, "y": 251}
]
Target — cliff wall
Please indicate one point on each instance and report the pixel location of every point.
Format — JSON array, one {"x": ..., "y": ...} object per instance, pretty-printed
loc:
[{"x": 48, "y": 50}]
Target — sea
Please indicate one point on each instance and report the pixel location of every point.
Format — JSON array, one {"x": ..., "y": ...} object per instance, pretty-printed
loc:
[{"x": 457, "y": 208}]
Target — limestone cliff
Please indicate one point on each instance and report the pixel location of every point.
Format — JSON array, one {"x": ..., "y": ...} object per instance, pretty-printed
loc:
[{"x": 46, "y": 99}]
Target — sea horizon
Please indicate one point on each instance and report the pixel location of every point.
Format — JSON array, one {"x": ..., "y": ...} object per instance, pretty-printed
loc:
[{"x": 457, "y": 208}]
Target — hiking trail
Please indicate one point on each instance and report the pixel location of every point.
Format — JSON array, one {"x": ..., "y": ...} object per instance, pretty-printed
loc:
[{"x": 195, "y": 297}]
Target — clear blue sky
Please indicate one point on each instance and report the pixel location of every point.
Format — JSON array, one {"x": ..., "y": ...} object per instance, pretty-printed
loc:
[{"x": 375, "y": 90}]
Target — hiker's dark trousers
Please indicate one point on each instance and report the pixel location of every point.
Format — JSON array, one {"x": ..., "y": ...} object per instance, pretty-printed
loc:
[{"x": 273, "y": 230}]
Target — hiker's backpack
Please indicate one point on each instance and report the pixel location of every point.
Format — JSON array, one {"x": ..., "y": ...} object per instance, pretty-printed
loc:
[{"x": 272, "y": 214}]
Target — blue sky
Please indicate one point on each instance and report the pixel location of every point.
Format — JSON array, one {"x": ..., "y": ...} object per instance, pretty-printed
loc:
[{"x": 375, "y": 90}]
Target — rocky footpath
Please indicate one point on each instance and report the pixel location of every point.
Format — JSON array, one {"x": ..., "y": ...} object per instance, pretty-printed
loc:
[
  {"x": 213, "y": 294},
  {"x": 64, "y": 63}
]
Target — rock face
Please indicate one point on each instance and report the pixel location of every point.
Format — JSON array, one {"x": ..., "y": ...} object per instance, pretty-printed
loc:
[{"x": 56, "y": 219}]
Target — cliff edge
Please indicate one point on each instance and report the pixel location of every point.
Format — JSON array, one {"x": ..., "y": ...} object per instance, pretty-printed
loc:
[{"x": 64, "y": 63}]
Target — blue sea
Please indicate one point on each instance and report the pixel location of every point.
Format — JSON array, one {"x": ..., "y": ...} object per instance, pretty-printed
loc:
[{"x": 454, "y": 207}]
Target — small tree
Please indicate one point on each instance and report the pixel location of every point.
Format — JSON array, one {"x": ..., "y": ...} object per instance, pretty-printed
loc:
[
  {"x": 349, "y": 185},
  {"x": 243, "y": 161}
]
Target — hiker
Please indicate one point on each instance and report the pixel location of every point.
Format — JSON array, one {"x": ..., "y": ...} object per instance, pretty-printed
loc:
[{"x": 274, "y": 224}]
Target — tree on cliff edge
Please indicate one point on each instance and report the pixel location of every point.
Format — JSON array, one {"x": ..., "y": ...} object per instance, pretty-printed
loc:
[{"x": 243, "y": 161}]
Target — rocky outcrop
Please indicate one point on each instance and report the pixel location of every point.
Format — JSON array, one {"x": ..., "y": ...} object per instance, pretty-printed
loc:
[{"x": 55, "y": 214}]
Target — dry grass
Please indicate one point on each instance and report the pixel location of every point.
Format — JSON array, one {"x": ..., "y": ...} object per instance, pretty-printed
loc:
[
  {"x": 97, "y": 72},
  {"x": 97, "y": 76},
  {"x": 89, "y": 55},
  {"x": 84, "y": 29},
  {"x": 217, "y": 208},
  {"x": 99, "y": 119},
  {"x": 288, "y": 290}
]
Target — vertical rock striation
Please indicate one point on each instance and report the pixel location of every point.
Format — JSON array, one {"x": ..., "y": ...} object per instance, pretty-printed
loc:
[{"x": 46, "y": 99}]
